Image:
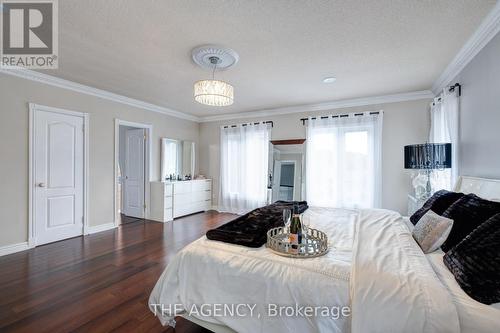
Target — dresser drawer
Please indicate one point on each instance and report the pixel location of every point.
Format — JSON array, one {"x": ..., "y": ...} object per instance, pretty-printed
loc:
[
  {"x": 168, "y": 190},
  {"x": 182, "y": 187},
  {"x": 202, "y": 185},
  {"x": 183, "y": 198},
  {"x": 207, "y": 204},
  {"x": 185, "y": 209},
  {"x": 190, "y": 197},
  {"x": 192, "y": 207},
  {"x": 167, "y": 202},
  {"x": 200, "y": 196}
]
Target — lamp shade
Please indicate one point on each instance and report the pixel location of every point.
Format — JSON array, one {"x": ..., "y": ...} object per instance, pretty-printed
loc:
[
  {"x": 428, "y": 156},
  {"x": 213, "y": 92}
]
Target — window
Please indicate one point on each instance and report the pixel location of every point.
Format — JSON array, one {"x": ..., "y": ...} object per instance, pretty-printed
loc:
[
  {"x": 343, "y": 161},
  {"x": 244, "y": 166},
  {"x": 356, "y": 142}
]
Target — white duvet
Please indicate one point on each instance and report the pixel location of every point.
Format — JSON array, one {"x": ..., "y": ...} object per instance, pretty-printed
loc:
[
  {"x": 393, "y": 286},
  {"x": 475, "y": 317},
  {"x": 210, "y": 272},
  {"x": 374, "y": 266}
]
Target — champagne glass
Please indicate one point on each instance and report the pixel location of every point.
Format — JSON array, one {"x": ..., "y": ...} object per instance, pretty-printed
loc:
[
  {"x": 306, "y": 222},
  {"x": 287, "y": 216}
]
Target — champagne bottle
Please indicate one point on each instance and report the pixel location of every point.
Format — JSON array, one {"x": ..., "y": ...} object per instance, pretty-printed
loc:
[{"x": 295, "y": 237}]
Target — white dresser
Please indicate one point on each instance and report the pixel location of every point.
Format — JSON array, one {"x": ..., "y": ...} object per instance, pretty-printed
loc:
[{"x": 178, "y": 198}]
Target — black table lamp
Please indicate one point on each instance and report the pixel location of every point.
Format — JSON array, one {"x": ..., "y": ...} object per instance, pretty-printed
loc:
[{"x": 427, "y": 157}]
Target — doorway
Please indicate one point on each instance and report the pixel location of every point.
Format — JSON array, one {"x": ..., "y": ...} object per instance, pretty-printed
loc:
[
  {"x": 132, "y": 162},
  {"x": 58, "y": 163},
  {"x": 286, "y": 165},
  {"x": 284, "y": 180}
]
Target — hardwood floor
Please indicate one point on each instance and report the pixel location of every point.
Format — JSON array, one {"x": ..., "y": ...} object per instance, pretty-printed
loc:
[
  {"x": 96, "y": 283},
  {"x": 124, "y": 219}
]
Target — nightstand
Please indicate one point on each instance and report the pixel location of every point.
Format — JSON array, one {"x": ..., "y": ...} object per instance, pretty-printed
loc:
[{"x": 414, "y": 204}]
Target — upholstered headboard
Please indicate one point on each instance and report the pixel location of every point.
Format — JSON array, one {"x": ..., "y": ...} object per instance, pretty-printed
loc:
[{"x": 485, "y": 188}]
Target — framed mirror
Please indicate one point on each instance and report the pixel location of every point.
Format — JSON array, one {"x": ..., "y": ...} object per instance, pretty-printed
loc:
[
  {"x": 177, "y": 158},
  {"x": 286, "y": 170}
]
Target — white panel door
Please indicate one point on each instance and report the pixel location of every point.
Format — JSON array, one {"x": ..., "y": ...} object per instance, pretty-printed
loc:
[
  {"x": 133, "y": 204},
  {"x": 58, "y": 175}
]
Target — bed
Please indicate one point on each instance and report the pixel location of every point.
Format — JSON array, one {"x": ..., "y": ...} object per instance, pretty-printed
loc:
[{"x": 374, "y": 271}]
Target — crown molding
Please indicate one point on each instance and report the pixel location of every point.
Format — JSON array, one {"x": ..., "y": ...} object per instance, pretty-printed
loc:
[
  {"x": 488, "y": 28},
  {"x": 70, "y": 85},
  {"x": 345, "y": 103}
]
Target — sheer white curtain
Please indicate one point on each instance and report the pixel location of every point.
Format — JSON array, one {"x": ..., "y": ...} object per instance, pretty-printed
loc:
[
  {"x": 444, "y": 129},
  {"x": 343, "y": 161},
  {"x": 244, "y": 158}
]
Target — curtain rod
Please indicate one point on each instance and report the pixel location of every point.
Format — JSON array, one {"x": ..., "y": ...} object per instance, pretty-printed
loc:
[
  {"x": 456, "y": 85},
  {"x": 303, "y": 120},
  {"x": 450, "y": 89},
  {"x": 259, "y": 122}
]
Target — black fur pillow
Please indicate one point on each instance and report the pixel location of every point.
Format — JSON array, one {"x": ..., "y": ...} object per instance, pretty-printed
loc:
[
  {"x": 467, "y": 213},
  {"x": 438, "y": 203},
  {"x": 475, "y": 262}
]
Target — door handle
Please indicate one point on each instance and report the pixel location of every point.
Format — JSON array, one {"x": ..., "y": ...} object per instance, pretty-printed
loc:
[{"x": 40, "y": 184}]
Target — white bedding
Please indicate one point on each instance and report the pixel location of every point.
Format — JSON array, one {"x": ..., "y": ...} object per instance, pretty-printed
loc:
[
  {"x": 393, "y": 286},
  {"x": 209, "y": 272},
  {"x": 374, "y": 266},
  {"x": 475, "y": 317},
  {"x": 408, "y": 223}
]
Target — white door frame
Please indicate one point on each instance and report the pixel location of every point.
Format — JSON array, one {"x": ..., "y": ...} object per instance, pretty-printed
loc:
[
  {"x": 147, "y": 169},
  {"x": 33, "y": 108}
]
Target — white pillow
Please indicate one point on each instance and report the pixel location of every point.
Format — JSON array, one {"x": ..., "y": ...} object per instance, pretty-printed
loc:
[{"x": 431, "y": 231}]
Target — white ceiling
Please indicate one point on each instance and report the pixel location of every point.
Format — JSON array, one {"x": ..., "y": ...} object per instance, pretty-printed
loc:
[{"x": 141, "y": 49}]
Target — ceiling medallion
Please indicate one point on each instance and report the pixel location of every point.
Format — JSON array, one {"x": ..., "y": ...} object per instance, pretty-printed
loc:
[{"x": 214, "y": 92}]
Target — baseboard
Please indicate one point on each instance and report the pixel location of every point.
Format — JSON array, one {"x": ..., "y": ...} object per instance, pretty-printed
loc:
[
  {"x": 98, "y": 228},
  {"x": 13, "y": 248}
]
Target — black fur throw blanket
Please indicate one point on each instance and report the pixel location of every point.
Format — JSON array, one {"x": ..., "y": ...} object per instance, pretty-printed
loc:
[{"x": 251, "y": 229}]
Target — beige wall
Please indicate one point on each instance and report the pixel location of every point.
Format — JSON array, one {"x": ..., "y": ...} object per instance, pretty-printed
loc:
[
  {"x": 15, "y": 94},
  {"x": 480, "y": 113},
  {"x": 404, "y": 123}
]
